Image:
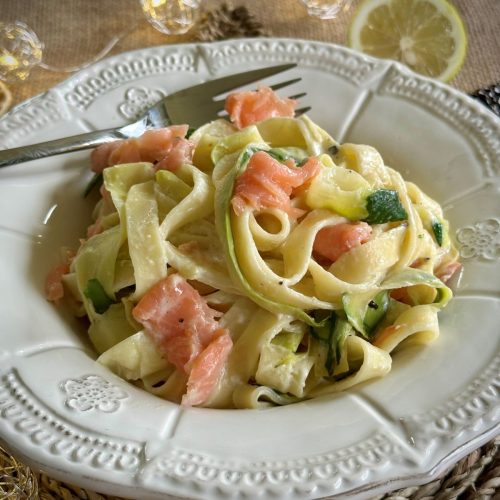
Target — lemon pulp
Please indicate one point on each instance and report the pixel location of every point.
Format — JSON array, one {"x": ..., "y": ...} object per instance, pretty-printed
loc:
[{"x": 426, "y": 35}]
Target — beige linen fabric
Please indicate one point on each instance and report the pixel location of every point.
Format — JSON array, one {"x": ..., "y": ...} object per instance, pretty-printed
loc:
[{"x": 75, "y": 31}]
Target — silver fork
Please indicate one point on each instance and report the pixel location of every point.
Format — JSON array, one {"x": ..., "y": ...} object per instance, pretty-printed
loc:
[{"x": 194, "y": 106}]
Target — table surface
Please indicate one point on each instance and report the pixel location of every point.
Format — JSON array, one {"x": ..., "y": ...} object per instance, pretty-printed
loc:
[{"x": 74, "y": 32}]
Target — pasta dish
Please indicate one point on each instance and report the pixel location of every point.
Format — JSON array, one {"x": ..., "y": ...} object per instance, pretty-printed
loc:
[{"x": 254, "y": 261}]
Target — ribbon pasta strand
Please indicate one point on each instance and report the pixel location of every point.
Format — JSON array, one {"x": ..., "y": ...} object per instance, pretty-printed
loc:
[{"x": 307, "y": 287}]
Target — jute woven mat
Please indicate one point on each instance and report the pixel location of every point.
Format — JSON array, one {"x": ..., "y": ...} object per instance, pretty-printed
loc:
[{"x": 477, "y": 476}]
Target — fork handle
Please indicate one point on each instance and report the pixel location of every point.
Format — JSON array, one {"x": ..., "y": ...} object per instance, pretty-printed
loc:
[{"x": 58, "y": 146}]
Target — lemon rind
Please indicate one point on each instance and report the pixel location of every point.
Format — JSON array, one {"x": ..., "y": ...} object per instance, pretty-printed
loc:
[{"x": 456, "y": 61}]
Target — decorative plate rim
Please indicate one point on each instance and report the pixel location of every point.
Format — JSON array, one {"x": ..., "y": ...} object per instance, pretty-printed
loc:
[{"x": 487, "y": 143}]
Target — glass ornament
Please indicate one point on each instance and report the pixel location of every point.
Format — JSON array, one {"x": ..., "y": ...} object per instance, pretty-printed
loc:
[
  {"x": 20, "y": 51},
  {"x": 172, "y": 17}
]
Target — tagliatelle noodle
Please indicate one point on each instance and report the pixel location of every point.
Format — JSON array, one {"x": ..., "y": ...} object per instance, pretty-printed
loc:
[
  {"x": 145, "y": 242},
  {"x": 374, "y": 362},
  {"x": 300, "y": 327},
  {"x": 259, "y": 273}
]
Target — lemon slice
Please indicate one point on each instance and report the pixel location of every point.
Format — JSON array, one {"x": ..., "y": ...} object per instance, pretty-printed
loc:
[{"x": 426, "y": 35}]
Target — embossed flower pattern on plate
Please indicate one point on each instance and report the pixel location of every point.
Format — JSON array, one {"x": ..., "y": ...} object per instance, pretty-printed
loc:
[
  {"x": 92, "y": 392},
  {"x": 482, "y": 239},
  {"x": 137, "y": 100}
]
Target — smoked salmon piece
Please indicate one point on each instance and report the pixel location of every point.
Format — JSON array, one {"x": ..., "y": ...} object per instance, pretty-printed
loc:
[
  {"x": 171, "y": 308},
  {"x": 332, "y": 241},
  {"x": 54, "y": 290},
  {"x": 247, "y": 108},
  {"x": 185, "y": 330},
  {"x": 155, "y": 144},
  {"x": 126, "y": 152},
  {"x": 207, "y": 369},
  {"x": 181, "y": 152},
  {"x": 181, "y": 350},
  {"x": 152, "y": 146},
  {"x": 268, "y": 183},
  {"x": 446, "y": 272},
  {"x": 99, "y": 158}
]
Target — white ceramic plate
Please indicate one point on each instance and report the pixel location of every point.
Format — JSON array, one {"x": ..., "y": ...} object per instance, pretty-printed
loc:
[{"x": 65, "y": 414}]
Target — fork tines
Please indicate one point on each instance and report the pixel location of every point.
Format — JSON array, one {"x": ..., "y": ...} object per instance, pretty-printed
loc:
[
  {"x": 232, "y": 82},
  {"x": 281, "y": 85},
  {"x": 297, "y": 96},
  {"x": 278, "y": 86},
  {"x": 301, "y": 111}
]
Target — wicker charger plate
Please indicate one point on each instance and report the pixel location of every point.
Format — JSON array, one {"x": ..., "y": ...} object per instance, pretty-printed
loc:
[{"x": 475, "y": 476}]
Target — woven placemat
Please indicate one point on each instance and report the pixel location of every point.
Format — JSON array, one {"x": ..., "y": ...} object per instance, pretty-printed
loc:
[{"x": 477, "y": 476}]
